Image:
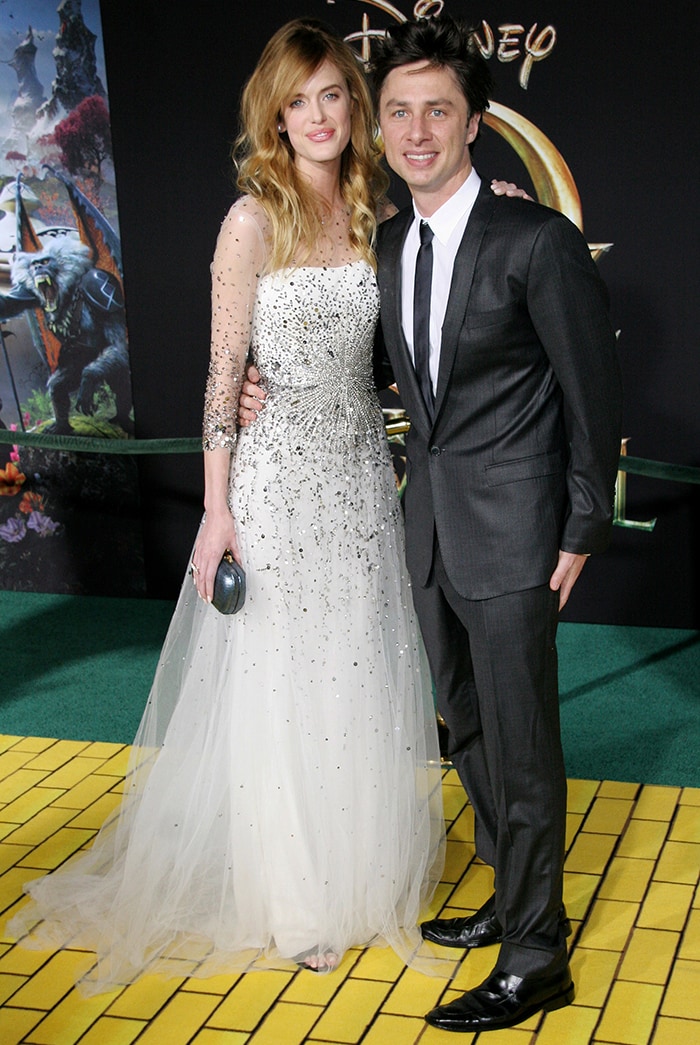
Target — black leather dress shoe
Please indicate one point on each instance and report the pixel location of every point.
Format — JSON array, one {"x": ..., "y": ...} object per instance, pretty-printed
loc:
[
  {"x": 478, "y": 930},
  {"x": 503, "y": 1000}
]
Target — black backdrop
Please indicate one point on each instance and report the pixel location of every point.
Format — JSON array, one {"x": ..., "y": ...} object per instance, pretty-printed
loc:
[{"x": 618, "y": 98}]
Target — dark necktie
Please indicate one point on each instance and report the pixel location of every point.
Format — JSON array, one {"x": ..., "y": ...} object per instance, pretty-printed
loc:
[{"x": 421, "y": 314}]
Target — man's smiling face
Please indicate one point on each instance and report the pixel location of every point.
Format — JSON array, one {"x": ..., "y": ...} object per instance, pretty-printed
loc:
[{"x": 427, "y": 127}]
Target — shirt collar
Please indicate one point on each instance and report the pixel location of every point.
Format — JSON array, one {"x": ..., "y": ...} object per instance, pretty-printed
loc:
[{"x": 447, "y": 217}]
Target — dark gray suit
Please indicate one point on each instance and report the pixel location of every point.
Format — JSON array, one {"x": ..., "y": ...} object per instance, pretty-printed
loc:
[{"x": 518, "y": 461}]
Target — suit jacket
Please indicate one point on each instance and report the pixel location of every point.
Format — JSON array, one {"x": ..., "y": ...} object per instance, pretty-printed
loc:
[{"x": 521, "y": 455}]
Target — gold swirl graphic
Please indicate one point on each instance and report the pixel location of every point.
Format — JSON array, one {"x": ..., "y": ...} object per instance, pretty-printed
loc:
[
  {"x": 552, "y": 180},
  {"x": 551, "y": 177}
]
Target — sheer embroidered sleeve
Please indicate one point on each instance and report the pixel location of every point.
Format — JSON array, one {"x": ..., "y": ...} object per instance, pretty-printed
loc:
[{"x": 238, "y": 261}]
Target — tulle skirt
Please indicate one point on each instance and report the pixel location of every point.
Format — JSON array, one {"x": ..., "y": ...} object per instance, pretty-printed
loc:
[{"x": 283, "y": 794}]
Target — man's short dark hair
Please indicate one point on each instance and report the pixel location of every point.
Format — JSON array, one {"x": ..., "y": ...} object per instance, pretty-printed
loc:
[{"x": 444, "y": 43}]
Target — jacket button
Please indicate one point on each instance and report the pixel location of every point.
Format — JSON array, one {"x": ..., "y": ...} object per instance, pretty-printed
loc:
[{"x": 435, "y": 451}]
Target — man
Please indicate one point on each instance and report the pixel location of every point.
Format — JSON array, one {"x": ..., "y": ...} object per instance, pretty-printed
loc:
[{"x": 511, "y": 462}]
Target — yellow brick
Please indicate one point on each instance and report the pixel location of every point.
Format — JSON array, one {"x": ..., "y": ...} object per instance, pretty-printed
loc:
[
  {"x": 12, "y": 890},
  {"x": 58, "y": 755},
  {"x": 71, "y": 773},
  {"x": 47, "y": 986},
  {"x": 579, "y": 890},
  {"x": 108, "y": 1031},
  {"x": 11, "y": 854},
  {"x": 690, "y": 944},
  {"x": 23, "y": 961},
  {"x": 7, "y": 741},
  {"x": 593, "y": 972},
  {"x": 629, "y": 1015},
  {"x": 643, "y": 839},
  {"x": 590, "y": 853},
  {"x": 29, "y": 804},
  {"x": 414, "y": 994},
  {"x": 458, "y": 856},
  {"x": 609, "y": 925},
  {"x": 649, "y": 956},
  {"x": 378, "y": 963},
  {"x": 18, "y": 783},
  {"x": 462, "y": 828},
  {"x": 11, "y": 762},
  {"x": 676, "y": 1032},
  {"x": 41, "y": 826},
  {"x": 399, "y": 1030},
  {"x": 666, "y": 906},
  {"x": 102, "y": 750},
  {"x": 573, "y": 826},
  {"x": 618, "y": 789},
  {"x": 144, "y": 998},
  {"x": 682, "y": 997},
  {"x": 182, "y": 1017},
  {"x": 56, "y": 850},
  {"x": 626, "y": 879},
  {"x": 31, "y": 744},
  {"x": 224, "y": 1037},
  {"x": 86, "y": 792},
  {"x": 657, "y": 803},
  {"x": 690, "y": 796},
  {"x": 96, "y": 814},
  {"x": 454, "y": 802},
  {"x": 352, "y": 1010},
  {"x": 572, "y": 1025},
  {"x": 440, "y": 898},
  {"x": 117, "y": 765},
  {"x": 312, "y": 990},
  {"x": 9, "y": 985},
  {"x": 65, "y": 1024},
  {"x": 679, "y": 862},
  {"x": 608, "y": 816},
  {"x": 580, "y": 794},
  {"x": 208, "y": 981},
  {"x": 477, "y": 965},
  {"x": 474, "y": 889},
  {"x": 249, "y": 1000},
  {"x": 15, "y": 1024},
  {"x": 686, "y": 827}
]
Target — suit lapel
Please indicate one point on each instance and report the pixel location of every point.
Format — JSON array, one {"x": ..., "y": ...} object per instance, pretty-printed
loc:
[
  {"x": 390, "y": 253},
  {"x": 460, "y": 288}
]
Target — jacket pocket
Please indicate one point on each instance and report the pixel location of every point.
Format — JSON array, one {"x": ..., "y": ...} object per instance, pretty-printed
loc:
[{"x": 533, "y": 467}]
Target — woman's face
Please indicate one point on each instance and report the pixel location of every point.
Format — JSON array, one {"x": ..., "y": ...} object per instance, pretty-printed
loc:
[{"x": 317, "y": 119}]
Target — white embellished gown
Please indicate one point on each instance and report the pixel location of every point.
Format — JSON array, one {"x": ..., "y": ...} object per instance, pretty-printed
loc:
[{"x": 284, "y": 791}]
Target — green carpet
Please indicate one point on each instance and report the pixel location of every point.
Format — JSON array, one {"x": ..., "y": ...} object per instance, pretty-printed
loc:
[{"x": 80, "y": 667}]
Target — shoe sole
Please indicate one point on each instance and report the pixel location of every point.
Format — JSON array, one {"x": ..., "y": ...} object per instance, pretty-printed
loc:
[{"x": 559, "y": 1001}]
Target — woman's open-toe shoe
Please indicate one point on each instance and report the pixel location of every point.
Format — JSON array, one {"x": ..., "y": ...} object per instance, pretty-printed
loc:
[{"x": 317, "y": 959}]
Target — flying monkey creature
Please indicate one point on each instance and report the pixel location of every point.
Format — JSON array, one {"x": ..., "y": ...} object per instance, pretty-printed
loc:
[{"x": 71, "y": 287}]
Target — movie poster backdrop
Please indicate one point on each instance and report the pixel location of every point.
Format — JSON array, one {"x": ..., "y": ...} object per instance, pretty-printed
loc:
[
  {"x": 69, "y": 521},
  {"x": 594, "y": 113}
]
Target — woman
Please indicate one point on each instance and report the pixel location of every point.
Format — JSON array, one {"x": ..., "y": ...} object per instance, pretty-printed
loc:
[{"x": 283, "y": 801}]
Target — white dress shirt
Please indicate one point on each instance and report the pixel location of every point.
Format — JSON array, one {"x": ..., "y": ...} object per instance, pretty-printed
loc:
[{"x": 448, "y": 224}]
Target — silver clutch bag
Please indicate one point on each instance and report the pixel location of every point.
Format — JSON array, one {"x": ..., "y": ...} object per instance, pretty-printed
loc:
[{"x": 229, "y": 585}]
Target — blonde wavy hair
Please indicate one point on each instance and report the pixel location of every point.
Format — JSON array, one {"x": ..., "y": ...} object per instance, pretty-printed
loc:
[{"x": 264, "y": 158}]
